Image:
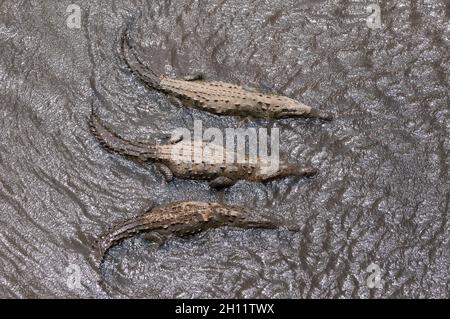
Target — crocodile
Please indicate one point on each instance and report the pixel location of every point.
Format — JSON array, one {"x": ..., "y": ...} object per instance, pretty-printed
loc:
[
  {"x": 182, "y": 219},
  {"x": 175, "y": 159},
  {"x": 215, "y": 96}
]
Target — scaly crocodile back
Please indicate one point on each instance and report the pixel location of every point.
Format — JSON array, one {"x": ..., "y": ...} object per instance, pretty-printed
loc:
[
  {"x": 216, "y": 96},
  {"x": 229, "y": 99},
  {"x": 180, "y": 218}
]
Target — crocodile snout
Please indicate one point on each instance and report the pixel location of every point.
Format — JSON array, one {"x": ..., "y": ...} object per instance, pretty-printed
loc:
[
  {"x": 324, "y": 116},
  {"x": 308, "y": 171}
]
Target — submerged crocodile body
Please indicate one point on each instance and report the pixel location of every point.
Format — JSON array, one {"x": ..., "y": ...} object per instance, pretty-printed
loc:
[
  {"x": 176, "y": 159},
  {"x": 218, "y": 97},
  {"x": 180, "y": 218}
]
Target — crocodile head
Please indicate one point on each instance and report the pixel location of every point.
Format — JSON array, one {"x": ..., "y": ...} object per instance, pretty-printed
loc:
[
  {"x": 226, "y": 212},
  {"x": 241, "y": 217},
  {"x": 294, "y": 109},
  {"x": 286, "y": 170}
]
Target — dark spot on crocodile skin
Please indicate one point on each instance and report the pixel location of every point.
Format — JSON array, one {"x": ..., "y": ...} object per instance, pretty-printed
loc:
[{"x": 237, "y": 104}]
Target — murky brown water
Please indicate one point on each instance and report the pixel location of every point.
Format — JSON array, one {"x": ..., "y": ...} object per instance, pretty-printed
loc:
[{"x": 382, "y": 196}]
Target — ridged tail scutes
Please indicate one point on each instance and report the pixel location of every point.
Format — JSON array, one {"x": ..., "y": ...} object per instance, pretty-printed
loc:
[
  {"x": 129, "y": 54},
  {"x": 115, "y": 143}
]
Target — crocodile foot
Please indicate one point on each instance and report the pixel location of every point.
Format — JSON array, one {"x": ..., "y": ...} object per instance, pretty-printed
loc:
[
  {"x": 221, "y": 182},
  {"x": 175, "y": 101},
  {"x": 167, "y": 173},
  {"x": 194, "y": 77},
  {"x": 154, "y": 237}
]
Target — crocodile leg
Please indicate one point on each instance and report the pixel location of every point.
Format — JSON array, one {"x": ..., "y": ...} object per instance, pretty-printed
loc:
[
  {"x": 250, "y": 89},
  {"x": 245, "y": 120},
  {"x": 175, "y": 138},
  {"x": 167, "y": 173},
  {"x": 172, "y": 138},
  {"x": 194, "y": 77},
  {"x": 221, "y": 182},
  {"x": 154, "y": 237},
  {"x": 175, "y": 101}
]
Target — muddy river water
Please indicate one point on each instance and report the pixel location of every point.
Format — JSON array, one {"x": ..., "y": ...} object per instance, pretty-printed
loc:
[{"x": 374, "y": 222}]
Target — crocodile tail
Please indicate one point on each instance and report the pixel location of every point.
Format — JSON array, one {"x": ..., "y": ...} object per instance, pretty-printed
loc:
[
  {"x": 114, "y": 142},
  {"x": 115, "y": 234},
  {"x": 99, "y": 249},
  {"x": 139, "y": 69}
]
